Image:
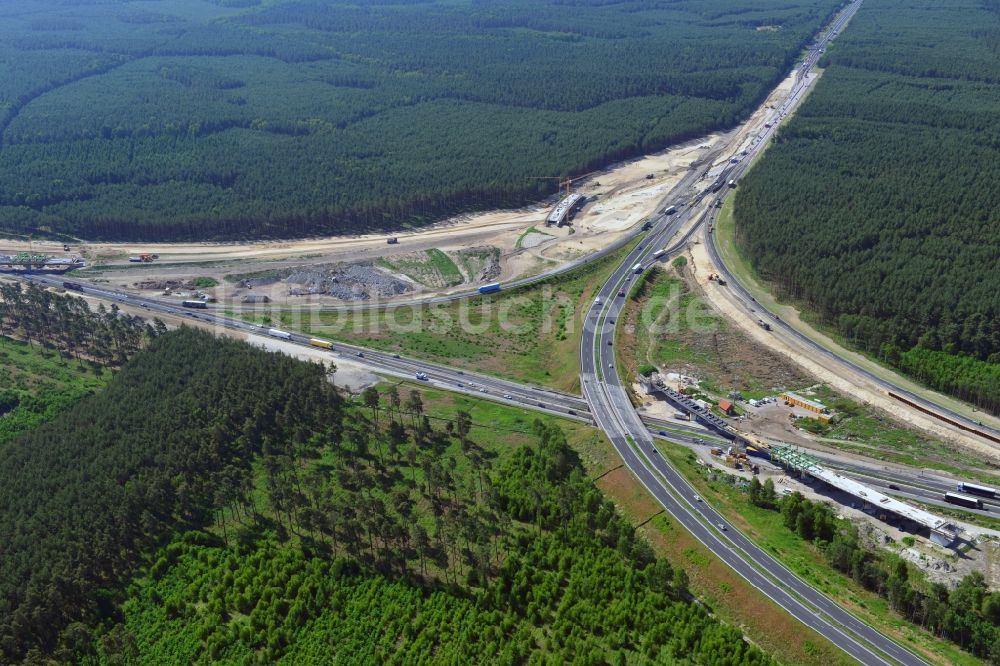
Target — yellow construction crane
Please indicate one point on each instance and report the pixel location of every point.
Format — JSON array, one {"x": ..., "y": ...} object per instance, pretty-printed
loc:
[{"x": 563, "y": 181}]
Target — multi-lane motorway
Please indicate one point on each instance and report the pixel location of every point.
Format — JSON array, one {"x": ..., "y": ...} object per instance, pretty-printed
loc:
[
  {"x": 612, "y": 410},
  {"x": 606, "y": 402}
]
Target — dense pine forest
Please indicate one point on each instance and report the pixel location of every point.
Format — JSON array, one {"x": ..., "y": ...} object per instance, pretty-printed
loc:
[
  {"x": 200, "y": 119},
  {"x": 879, "y": 205},
  {"x": 215, "y": 502}
]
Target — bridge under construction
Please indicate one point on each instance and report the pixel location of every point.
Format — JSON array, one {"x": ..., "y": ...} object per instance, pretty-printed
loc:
[
  {"x": 942, "y": 531},
  {"x": 27, "y": 261}
]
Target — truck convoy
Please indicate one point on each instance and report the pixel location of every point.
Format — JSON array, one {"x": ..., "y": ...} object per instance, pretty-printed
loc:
[
  {"x": 275, "y": 333},
  {"x": 489, "y": 288}
]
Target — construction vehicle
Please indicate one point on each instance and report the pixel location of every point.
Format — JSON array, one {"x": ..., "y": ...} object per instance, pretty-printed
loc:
[
  {"x": 718, "y": 278},
  {"x": 392, "y": 241},
  {"x": 144, "y": 258}
]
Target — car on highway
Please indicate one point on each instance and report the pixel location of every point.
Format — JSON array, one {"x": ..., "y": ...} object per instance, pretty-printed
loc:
[
  {"x": 893, "y": 486},
  {"x": 506, "y": 396},
  {"x": 541, "y": 404},
  {"x": 698, "y": 440},
  {"x": 395, "y": 355},
  {"x": 482, "y": 390},
  {"x": 722, "y": 526},
  {"x": 697, "y": 498},
  {"x": 571, "y": 412},
  {"x": 662, "y": 433},
  {"x": 610, "y": 365},
  {"x": 597, "y": 301},
  {"x": 609, "y": 342},
  {"x": 422, "y": 376},
  {"x": 360, "y": 354},
  {"x": 459, "y": 385}
]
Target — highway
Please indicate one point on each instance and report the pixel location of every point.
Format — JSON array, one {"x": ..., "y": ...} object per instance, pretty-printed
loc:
[
  {"x": 607, "y": 403},
  {"x": 612, "y": 410}
]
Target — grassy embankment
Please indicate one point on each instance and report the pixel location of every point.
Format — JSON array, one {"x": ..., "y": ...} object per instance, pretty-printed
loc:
[{"x": 435, "y": 269}]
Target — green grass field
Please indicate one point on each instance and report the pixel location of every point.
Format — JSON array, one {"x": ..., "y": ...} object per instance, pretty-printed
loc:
[{"x": 36, "y": 384}]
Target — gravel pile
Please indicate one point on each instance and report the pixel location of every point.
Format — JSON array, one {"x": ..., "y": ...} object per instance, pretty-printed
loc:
[
  {"x": 355, "y": 282},
  {"x": 491, "y": 271}
]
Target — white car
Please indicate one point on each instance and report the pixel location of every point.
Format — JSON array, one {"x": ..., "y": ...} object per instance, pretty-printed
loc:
[
  {"x": 597, "y": 301},
  {"x": 722, "y": 527},
  {"x": 697, "y": 498},
  {"x": 506, "y": 396}
]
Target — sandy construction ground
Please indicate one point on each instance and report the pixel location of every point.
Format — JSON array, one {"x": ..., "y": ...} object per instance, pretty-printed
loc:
[
  {"x": 348, "y": 375},
  {"x": 849, "y": 383},
  {"x": 618, "y": 199}
]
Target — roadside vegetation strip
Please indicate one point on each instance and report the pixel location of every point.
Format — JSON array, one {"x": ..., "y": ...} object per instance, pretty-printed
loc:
[
  {"x": 805, "y": 560},
  {"x": 722, "y": 589},
  {"x": 528, "y": 334}
]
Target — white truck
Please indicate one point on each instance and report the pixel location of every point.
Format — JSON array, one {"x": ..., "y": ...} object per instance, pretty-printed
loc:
[
  {"x": 637, "y": 269},
  {"x": 275, "y": 333}
]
